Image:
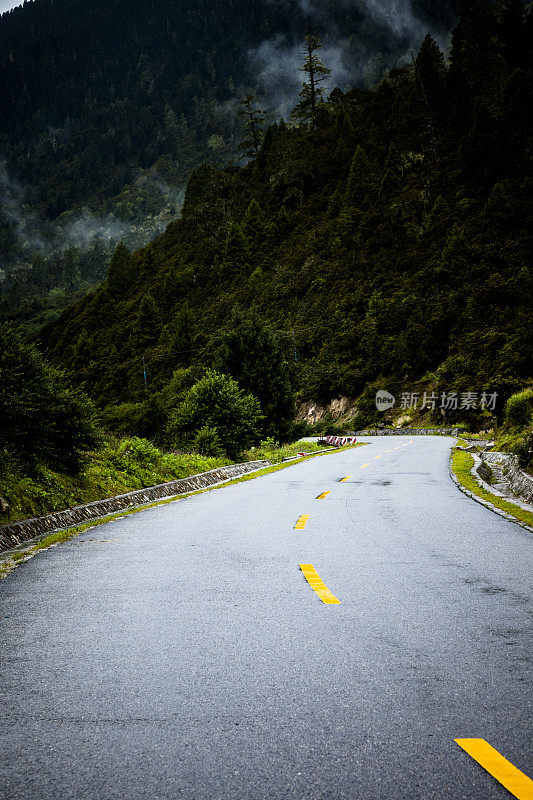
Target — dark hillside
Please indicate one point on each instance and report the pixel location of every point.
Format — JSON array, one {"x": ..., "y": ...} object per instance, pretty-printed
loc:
[
  {"x": 394, "y": 239},
  {"x": 107, "y": 107}
]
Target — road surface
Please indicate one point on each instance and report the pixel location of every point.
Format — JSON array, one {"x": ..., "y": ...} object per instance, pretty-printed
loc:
[{"x": 180, "y": 653}]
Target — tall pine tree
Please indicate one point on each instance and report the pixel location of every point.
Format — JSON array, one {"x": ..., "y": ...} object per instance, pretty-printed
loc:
[{"x": 312, "y": 92}]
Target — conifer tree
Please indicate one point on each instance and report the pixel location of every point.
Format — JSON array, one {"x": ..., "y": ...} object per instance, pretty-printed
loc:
[
  {"x": 253, "y": 121},
  {"x": 236, "y": 252},
  {"x": 145, "y": 328},
  {"x": 257, "y": 357},
  {"x": 361, "y": 180},
  {"x": 254, "y": 223},
  {"x": 181, "y": 341},
  {"x": 312, "y": 92},
  {"x": 474, "y": 57},
  {"x": 119, "y": 272},
  {"x": 393, "y": 171},
  {"x": 431, "y": 69},
  {"x": 344, "y": 135}
]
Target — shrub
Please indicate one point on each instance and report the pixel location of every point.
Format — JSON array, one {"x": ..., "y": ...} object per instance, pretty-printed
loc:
[
  {"x": 216, "y": 401},
  {"x": 146, "y": 419},
  {"x": 518, "y": 409},
  {"x": 44, "y": 419},
  {"x": 207, "y": 442},
  {"x": 521, "y": 449},
  {"x": 139, "y": 450},
  {"x": 359, "y": 422}
]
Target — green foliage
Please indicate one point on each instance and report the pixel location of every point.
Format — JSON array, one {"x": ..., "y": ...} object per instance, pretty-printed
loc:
[
  {"x": 270, "y": 450},
  {"x": 462, "y": 464},
  {"x": 258, "y": 358},
  {"x": 207, "y": 442},
  {"x": 307, "y": 110},
  {"x": 116, "y": 467},
  {"x": 235, "y": 259},
  {"x": 414, "y": 257},
  {"x": 43, "y": 418},
  {"x": 182, "y": 335},
  {"x": 519, "y": 409},
  {"x": 119, "y": 274},
  {"x": 216, "y": 401},
  {"x": 361, "y": 180},
  {"x": 145, "y": 327},
  {"x": 145, "y": 419},
  {"x": 140, "y": 450},
  {"x": 254, "y": 224},
  {"x": 253, "y": 122}
]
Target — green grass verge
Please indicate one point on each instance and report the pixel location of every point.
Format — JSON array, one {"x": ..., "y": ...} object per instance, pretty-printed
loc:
[
  {"x": 118, "y": 467},
  {"x": 26, "y": 552},
  {"x": 462, "y": 463}
]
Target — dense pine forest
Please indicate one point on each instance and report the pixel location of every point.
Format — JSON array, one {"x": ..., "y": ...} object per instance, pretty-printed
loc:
[
  {"x": 376, "y": 238},
  {"x": 105, "y": 108},
  {"x": 389, "y": 237}
]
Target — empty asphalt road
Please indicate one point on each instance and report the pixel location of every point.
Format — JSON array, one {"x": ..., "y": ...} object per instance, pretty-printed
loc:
[{"x": 181, "y": 654}]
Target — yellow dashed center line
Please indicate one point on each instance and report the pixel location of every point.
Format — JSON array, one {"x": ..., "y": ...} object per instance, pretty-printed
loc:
[
  {"x": 380, "y": 456},
  {"x": 323, "y": 495},
  {"x": 317, "y": 584},
  {"x": 506, "y": 773},
  {"x": 388, "y": 451},
  {"x": 396, "y": 448},
  {"x": 347, "y": 478},
  {"x": 302, "y": 521},
  {"x": 363, "y": 466}
]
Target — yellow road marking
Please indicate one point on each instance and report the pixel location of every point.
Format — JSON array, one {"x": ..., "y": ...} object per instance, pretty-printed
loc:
[
  {"x": 324, "y": 494},
  {"x": 317, "y": 584},
  {"x": 347, "y": 478},
  {"x": 506, "y": 773},
  {"x": 363, "y": 466},
  {"x": 302, "y": 521},
  {"x": 388, "y": 451},
  {"x": 396, "y": 448},
  {"x": 380, "y": 456}
]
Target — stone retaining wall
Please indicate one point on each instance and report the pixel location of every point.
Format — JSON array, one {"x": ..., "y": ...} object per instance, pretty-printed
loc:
[
  {"x": 410, "y": 432},
  {"x": 13, "y": 534},
  {"x": 519, "y": 482}
]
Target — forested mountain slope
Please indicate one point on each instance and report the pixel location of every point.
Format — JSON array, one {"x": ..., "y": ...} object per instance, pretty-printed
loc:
[
  {"x": 391, "y": 239},
  {"x": 106, "y": 107}
]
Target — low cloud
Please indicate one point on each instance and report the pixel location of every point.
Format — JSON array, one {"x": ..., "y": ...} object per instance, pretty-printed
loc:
[{"x": 358, "y": 60}]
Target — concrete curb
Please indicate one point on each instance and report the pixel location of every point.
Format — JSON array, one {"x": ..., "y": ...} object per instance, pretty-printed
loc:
[
  {"x": 409, "y": 432},
  {"x": 519, "y": 482},
  {"x": 488, "y": 488},
  {"x": 13, "y": 534}
]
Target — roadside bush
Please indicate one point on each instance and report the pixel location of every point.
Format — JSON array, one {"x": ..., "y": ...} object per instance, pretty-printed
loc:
[
  {"x": 521, "y": 449},
  {"x": 207, "y": 442},
  {"x": 301, "y": 429},
  {"x": 146, "y": 419},
  {"x": 44, "y": 419},
  {"x": 519, "y": 408},
  {"x": 359, "y": 422},
  {"x": 139, "y": 450},
  {"x": 216, "y": 401}
]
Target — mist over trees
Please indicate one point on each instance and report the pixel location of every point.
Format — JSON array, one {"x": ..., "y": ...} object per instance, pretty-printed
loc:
[
  {"x": 387, "y": 239},
  {"x": 106, "y": 108}
]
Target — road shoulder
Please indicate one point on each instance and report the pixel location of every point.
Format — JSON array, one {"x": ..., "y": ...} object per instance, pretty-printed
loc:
[{"x": 461, "y": 465}]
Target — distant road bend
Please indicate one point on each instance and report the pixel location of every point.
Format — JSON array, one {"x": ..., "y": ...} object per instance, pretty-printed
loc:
[{"x": 323, "y": 632}]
